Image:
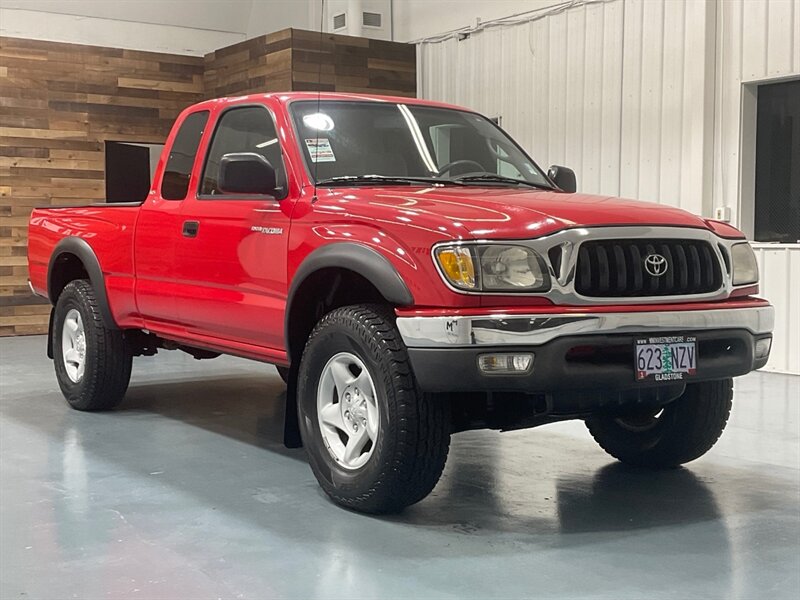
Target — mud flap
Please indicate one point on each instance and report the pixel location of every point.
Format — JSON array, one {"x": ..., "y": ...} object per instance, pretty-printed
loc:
[
  {"x": 50, "y": 333},
  {"x": 291, "y": 426}
]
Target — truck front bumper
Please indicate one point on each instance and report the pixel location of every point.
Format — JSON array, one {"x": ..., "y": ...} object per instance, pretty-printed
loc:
[{"x": 574, "y": 351}]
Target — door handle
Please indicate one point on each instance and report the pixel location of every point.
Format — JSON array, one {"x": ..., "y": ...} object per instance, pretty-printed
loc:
[{"x": 190, "y": 228}]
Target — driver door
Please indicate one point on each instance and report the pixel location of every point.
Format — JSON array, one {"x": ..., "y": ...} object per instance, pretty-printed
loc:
[{"x": 230, "y": 260}]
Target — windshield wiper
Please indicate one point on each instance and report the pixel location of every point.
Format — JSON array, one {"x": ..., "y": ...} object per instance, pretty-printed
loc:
[
  {"x": 382, "y": 179},
  {"x": 492, "y": 178}
]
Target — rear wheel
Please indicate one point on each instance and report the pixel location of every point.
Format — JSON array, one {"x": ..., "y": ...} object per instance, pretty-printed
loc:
[
  {"x": 678, "y": 433},
  {"x": 374, "y": 441},
  {"x": 92, "y": 363}
]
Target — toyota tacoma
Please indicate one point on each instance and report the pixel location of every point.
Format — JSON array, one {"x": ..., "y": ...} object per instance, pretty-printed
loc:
[{"x": 412, "y": 273}]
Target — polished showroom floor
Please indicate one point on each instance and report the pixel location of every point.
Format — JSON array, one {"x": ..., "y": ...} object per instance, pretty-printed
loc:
[{"x": 186, "y": 491}]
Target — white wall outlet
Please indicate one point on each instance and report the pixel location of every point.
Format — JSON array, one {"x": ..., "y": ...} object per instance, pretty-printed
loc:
[{"x": 723, "y": 213}]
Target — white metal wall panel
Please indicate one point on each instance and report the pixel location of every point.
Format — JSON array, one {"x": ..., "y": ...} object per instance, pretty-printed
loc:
[
  {"x": 756, "y": 40},
  {"x": 556, "y": 82},
  {"x": 666, "y": 96},
  {"x": 610, "y": 89},
  {"x": 780, "y": 283}
]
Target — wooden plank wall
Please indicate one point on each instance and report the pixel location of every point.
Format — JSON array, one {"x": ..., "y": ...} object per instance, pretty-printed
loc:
[
  {"x": 352, "y": 64},
  {"x": 263, "y": 64},
  {"x": 293, "y": 59},
  {"x": 60, "y": 102}
]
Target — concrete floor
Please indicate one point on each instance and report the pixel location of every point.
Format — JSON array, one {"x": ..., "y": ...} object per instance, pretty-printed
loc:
[{"x": 186, "y": 491}]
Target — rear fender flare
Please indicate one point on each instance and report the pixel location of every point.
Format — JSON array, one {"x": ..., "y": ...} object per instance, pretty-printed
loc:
[{"x": 83, "y": 251}]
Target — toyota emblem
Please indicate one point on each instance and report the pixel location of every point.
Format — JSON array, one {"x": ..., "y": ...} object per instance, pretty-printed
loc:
[{"x": 655, "y": 264}]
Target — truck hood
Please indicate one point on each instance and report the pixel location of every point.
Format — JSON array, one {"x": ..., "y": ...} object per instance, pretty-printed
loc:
[{"x": 493, "y": 212}]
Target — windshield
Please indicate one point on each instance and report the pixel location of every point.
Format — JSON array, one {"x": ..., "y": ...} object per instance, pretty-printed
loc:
[{"x": 346, "y": 139}]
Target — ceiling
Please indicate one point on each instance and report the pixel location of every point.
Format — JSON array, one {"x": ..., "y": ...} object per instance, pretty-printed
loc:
[{"x": 232, "y": 16}]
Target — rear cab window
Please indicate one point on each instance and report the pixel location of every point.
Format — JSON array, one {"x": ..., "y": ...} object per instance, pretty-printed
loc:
[{"x": 178, "y": 171}]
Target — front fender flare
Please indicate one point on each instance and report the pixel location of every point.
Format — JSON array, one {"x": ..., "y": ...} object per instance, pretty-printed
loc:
[
  {"x": 83, "y": 251},
  {"x": 361, "y": 259}
]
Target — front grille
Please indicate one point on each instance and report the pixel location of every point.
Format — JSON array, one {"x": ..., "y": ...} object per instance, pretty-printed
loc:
[{"x": 616, "y": 268}]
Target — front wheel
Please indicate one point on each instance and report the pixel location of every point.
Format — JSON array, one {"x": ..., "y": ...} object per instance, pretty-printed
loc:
[
  {"x": 375, "y": 443},
  {"x": 92, "y": 362},
  {"x": 678, "y": 433}
]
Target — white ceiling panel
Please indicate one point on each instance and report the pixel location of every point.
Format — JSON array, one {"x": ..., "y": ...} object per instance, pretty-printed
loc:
[{"x": 215, "y": 15}]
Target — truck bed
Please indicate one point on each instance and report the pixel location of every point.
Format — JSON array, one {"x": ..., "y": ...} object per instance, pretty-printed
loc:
[{"x": 106, "y": 228}]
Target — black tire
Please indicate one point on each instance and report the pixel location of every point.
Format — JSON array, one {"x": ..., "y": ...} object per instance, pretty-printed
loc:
[
  {"x": 108, "y": 357},
  {"x": 414, "y": 431},
  {"x": 284, "y": 373},
  {"x": 686, "y": 429}
]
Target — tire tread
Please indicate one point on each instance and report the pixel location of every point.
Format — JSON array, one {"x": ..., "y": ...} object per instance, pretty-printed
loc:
[
  {"x": 695, "y": 422},
  {"x": 422, "y": 427},
  {"x": 107, "y": 382}
]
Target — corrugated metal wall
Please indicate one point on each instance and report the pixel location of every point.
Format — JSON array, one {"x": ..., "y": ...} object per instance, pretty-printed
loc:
[
  {"x": 779, "y": 267},
  {"x": 667, "y": 92},
  {"x": 556, "y": 82},
  {"x": 756, "y": 41},
  {"x": 642, "y": 98},
  {"x": 610, "y": 89}
]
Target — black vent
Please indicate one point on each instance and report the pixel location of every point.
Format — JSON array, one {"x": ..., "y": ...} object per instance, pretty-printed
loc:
[
  {"x": 339, "y": 20},
  {"x": 371, "y": 19},
  {"x": 555, "y": 259},
  {"x": 616, "y": 268}
]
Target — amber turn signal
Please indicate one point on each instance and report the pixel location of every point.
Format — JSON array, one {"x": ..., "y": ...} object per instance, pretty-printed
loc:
[{"x": 458, "y": 266}]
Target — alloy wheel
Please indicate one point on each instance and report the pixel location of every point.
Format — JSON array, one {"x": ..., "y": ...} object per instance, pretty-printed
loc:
[
  {"x": 73, "y": 345},
  {"x": 347, "y": 410}
]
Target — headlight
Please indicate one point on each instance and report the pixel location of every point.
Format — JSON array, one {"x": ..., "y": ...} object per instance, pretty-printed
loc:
[
  {"x": 745, "y": 267},
  {"x": 493, "y": 268}
]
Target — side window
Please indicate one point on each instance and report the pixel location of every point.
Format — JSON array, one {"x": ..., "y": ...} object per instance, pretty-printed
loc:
[
  {"x": 246, "y": 129},
  {"x": 175, "y": 182}
]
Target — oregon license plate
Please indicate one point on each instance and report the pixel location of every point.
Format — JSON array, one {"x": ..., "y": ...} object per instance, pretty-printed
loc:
[{"x": 666, "y": 358}]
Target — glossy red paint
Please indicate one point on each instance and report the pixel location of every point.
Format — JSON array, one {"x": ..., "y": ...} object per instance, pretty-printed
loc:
[
  {"x": 108, "y": 232},
  {"x": 725, "y": 230},
  {"x": 502, "y": 213},
  {"x": 227, "y": 287}
]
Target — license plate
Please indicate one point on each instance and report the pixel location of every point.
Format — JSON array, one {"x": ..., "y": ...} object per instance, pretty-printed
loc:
[{"x": 667, "y": 358}]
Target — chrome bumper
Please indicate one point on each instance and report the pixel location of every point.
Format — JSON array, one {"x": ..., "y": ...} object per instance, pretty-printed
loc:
[{"x": 534, "y": 330}]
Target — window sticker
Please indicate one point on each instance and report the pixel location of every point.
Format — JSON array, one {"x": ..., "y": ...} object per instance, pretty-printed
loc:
[{"x": 319, "y": 149}]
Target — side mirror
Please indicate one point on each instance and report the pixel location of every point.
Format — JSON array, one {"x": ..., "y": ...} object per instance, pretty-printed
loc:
[
  {"x": 564, "y": 178},
  {"x": 247, "y": 173}
]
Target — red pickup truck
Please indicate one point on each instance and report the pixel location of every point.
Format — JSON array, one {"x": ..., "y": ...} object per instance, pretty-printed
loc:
[{"x": 412, "y": 273}]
